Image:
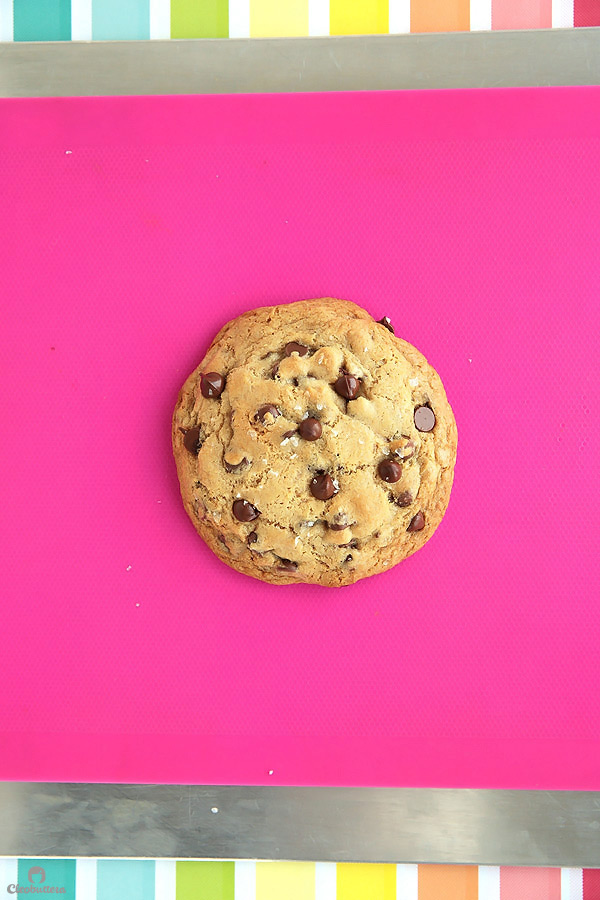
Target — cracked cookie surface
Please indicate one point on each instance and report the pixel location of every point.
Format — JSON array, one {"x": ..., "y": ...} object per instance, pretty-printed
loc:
[{"x": 313, "y": 445}]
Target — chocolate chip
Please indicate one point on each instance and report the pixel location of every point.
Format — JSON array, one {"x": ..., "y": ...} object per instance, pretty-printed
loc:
[
  {"x": 417, "y": 523},
  {"x": 386, "y": 323},
  {"x": 389, "y": 470},
  {"x": 347, "y": 386},
  {"x": 289, "y": 434},
  {"x": 424, "y": 418},
  {"x": 212, "y": 385},
  {"x": 229, "y": 467},
  {"x": 353, "y": 544},
  {"x": 340, "y": 521},
  {"x": 310, "y": 429},
  {"x": 348, "y": 558},
  {"x": 404, "y": 447},
  {"x": 322, "y": 487},
  {"x": 252, "y": 538},
  {"x": 293, "y": 347},
  {"x": 403, "y": 499},
  {"x": 286, "y": 565},
  {"x": 264, "y": 411},
  {"x": 222, "y": 540},
  {"x": 191, "y": 439},
  {"x": 244, "y": 511}
]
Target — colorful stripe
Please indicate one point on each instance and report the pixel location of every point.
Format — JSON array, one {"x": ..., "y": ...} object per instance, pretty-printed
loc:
[
  {"x": 214, "y": 880},
  {"x": 199, "y": 18},
  {"x": 42, "y": 20},
  {"x": 81, "y": 20},
  {"x": 586, "y": 13},
  {"x": 245, "y": 880},
  {"x": 239, "y": 18},
  {"x": 591, "y": 884},
  {"x": 47, "y": 873},
  {"x": 165, "y": 879},
  {"x": 292, "y": 880},
  {"x": 527, "y": 884},
  {"x": 480, "y": 15},
  {"x": 357, "y": 881},
  {"x": 439, "y": 15},
  {"x": 86, "y": 878},
  {"x": 131, "y": 878},
  {"x": 449, "y": 882},
  {"x": 84, "y": 20},
  {"x": 571, "y": 884},
  {"x": 562, "y": 13},
  {"x": 160, "y": 20},
  {"x": 488, "y": 883},
  {"x": 358, "y": 17},
  {"x": 407, "y": 882},
  {"x": 399, "y": 20},
  {"x": 318, "y": 17},
  {"x": 506, "y": 14},
  {"x": 120, "y": 20},
  {"x": 6, "y": 20},
  {"x": 273, "y": 18}
]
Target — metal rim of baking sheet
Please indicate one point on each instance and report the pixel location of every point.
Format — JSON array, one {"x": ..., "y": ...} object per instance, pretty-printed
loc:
[
  {"x": 338, "y": 824},
  {"x": 569, "y": 56},
  {"x": 335, "y": 824}
]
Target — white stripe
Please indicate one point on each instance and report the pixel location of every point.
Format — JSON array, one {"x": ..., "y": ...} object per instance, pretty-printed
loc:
[
  {"x": 85, "y": 876},
  {"x": 325, "y": 881},
  {"x": 239, "y": 18},
  {"x": 481, "y": 15},
  {"x": 489, "y": 883},
  {"x": 562, "y": 14},
  {"x": 318, "y": 18},
  {"x": 245, "y": 874},
  {"x": 6, "y": 26},
  {"x": 399, "y": 16},
  {"x": 164, "y": 879},
  {"x": 571, "y": 884},
  {"x": 9, "y": 869},
  {"x": 160, "y": 20},
  {"x": 407, "y": 882},
  {"x": 81, "y": 20}
]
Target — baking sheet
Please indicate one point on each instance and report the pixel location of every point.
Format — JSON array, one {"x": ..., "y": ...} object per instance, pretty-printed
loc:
[{"x": 132, "y": 229}]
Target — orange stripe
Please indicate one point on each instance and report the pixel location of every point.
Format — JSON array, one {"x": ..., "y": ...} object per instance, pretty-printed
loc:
[
  {"x": 449, "y": 882},
  {"x": 440, "y": 15}
]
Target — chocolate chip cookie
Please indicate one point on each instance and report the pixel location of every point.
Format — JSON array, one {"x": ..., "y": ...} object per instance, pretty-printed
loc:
[{"x": 313, "y": 445}]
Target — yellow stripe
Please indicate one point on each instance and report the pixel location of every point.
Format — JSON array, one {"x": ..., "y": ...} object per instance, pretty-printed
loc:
[
  {"x": 278, "y": 18},
  {"x": 289, "y": 880},
  {"x": 366, "y": 881},
  {"x": 359, "y": 17}
]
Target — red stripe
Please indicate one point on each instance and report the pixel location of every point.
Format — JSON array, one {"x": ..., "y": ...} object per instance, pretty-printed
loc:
[
  {"x": 591, "y": 884},
  {"x": 586, "y": 13}
]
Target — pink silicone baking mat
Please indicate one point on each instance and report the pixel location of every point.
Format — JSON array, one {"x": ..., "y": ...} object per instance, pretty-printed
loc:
[{"x": 132, "y": 229}]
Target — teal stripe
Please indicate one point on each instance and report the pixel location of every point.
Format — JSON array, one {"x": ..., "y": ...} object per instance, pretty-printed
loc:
[
  {"x": 125, "y": 879},
  {"x": 47, "y": 873},
  {"x": 120, "y": 20},
  {"x": 42, "y": 20}
]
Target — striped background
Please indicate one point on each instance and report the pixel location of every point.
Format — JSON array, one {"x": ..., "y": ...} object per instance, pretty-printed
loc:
[
  {"x": 41, "y": 20},
  {"x": 114, "y": 879}
]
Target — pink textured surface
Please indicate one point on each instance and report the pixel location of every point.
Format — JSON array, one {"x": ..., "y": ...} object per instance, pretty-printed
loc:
[{"x": 133, "y": 228}]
